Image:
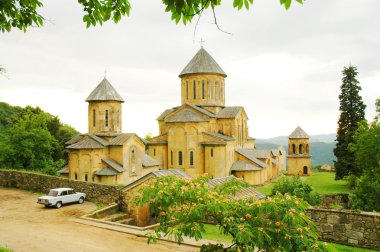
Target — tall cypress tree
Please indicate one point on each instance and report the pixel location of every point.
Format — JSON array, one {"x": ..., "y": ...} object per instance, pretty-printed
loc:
[{"x": 351, "y": 113}]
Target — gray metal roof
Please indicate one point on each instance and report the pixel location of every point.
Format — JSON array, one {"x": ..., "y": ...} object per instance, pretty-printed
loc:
[
  {"x": 165, "y": 113},
  {"x": 213, "y": 143},
  {"x": 245, "y": 166},
  {"x": 157, "y": 174},
  {"x": 86, "y": 142},
  {"x": 298, "y": 133},
  {"x": 64, "y": 170},
  {"x": 219, "y": 136},
  {"x": 148, "y": 161},
  {"x": 104, "y": 92},
  {"x": 121, "y": 139},
  {"x": 74, "y": 139},
  {"x": 202, "y": 62},
  {"x": 276, "y": 152},
  {"x": 258, "y": 153},
  {"x": 107, "y": 134},
  {"x": 187, "y": 115},
  {"x": 106, "y": 171},
  {"x": 250, "y": 154},
  {"x": 113, "y": 164},
  {"x": 229, "y": 112},
  {"x": 245, "y": 192},
  {"x": 203, "y": 111}
]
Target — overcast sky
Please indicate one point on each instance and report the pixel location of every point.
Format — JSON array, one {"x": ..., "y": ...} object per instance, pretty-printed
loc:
[{"x": 284, "y": 67}]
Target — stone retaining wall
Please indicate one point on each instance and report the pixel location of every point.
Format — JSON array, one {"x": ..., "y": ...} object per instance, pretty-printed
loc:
[
  {"x": 360, "y": 229},
  {"x": 101, "y": 193}
]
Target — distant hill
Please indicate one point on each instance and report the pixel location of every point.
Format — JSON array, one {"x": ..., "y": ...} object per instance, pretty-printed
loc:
[{"x": 321, "y": 147}]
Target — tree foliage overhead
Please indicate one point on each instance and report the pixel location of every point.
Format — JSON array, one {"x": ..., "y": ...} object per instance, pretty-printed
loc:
[
  {"x": 366, "y": 149},
  {"x": 32, "y": 139},
  {"x": 352, "y": 112},
  {"x": 182, "y": 206},
  {"x": 22, "y": 14}
]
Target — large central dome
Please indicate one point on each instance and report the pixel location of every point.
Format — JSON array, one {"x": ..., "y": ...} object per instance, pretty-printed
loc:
[{"x": 202, "y": 62}]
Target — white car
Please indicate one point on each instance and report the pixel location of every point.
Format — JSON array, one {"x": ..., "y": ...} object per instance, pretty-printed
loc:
[{"x": 59, "y": 196}]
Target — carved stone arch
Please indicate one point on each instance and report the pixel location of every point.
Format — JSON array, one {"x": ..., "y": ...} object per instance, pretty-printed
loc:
[
  {"x": 191, "y": 130},
  {"x": 300, "y": 149}
]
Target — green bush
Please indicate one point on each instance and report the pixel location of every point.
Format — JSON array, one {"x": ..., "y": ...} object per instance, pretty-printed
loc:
[
  {"x": 296, "y": 187},
  {"x": 352, "y": 181},
  {"x": 367, "y": 193}
]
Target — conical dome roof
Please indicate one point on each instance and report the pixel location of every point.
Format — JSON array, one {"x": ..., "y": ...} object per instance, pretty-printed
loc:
[
  {"x": 202, "y": 62},
  {"x": 298, "y": 133},
  {"x": 104, "y": 92}
]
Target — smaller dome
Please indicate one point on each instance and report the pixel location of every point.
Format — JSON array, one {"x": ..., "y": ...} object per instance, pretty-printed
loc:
[
  {"x": 104, "y": 92},
  {"x": 202, "y": 62}
]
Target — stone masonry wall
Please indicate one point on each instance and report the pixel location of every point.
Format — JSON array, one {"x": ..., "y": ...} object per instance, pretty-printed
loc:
[
  {"x": 360, "y": 229},
  {"x": 101, "y": 193}
]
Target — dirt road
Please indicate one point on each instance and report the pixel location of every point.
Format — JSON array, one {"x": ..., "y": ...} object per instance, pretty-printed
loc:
[{"x": 27, "y": 226}]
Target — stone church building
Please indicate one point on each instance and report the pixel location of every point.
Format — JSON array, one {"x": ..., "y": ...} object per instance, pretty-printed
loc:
[{"x": 202, "y": 135}]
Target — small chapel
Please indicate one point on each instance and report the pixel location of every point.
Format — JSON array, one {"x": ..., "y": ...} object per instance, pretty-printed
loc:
[{"x": 200, "y": 136}]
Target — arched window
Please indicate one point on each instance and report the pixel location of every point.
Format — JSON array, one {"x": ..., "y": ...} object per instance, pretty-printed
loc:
[
  {"x": 187, "y": 90},
  {"x": 212, "y": 152},
  {"x": 217, "y": 90},
  {"x": 180, "y": 158},
  {"x": 212, "y": 89},
  {"x": 203, "y": 89},
  {"x": 301, "y": 149},
  {"x": 171, "y": 157},
  {"x": 93, "y": 118},
  {"x": 191, "y": 158},
  {"x": 154, "y": 151},
  {"x": 194, "y": 90},
  {"x": 294, "y": 149},
  {"x": 76, "y": 176},
  {"x": 106, "y": 118},
  {"x": 307, "y": 148},
  {"x": 85, "y": 177}
]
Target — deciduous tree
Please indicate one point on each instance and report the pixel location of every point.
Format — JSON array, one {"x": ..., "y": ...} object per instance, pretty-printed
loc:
[
  {"x": 351, "y": 114},
  {"x": 22, "y": 14},
  {"x": 276, "y": 223}
]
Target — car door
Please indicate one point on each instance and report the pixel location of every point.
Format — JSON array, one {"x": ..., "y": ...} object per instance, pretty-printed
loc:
[
  {"x": 64, "y": 197},
  {"x": 72, "y": 196}
]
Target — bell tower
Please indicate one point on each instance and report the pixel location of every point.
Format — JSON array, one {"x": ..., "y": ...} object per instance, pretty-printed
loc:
[
  {"x": 299, "y": 158},
  {"x": 104, "y": 109},
  {"x": 203, "y": 82}
]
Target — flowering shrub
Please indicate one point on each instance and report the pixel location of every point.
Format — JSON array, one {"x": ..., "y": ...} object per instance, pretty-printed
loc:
[{"x": 276, "y": 223}]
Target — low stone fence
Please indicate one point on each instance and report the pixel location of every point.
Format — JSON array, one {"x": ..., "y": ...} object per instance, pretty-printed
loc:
[
  {"x": 360, "y": 229},
  {"x": 101, "y": 193},
  {"x": 335, "y": 199}
]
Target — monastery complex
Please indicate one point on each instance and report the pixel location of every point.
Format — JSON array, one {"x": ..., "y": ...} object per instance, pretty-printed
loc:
[{"x": 202, "y": 135}]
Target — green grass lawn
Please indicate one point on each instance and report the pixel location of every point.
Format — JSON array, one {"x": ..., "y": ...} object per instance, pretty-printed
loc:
[
  {"x": 213, "y": 233},
  {"x": 2, "y": 249},
  {"x": 322, "y": 182}
]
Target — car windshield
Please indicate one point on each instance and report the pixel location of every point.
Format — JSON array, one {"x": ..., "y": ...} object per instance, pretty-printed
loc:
[{"x": 53, "y": 193}]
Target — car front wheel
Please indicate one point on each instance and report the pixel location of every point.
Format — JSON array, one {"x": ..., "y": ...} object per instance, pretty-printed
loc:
[
  {"x": 81, "y": 200},
  {"x": 58, "y": 205}
]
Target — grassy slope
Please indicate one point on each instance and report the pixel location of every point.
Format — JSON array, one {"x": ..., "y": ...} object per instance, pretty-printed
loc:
[{"x": 322, "y": 182}]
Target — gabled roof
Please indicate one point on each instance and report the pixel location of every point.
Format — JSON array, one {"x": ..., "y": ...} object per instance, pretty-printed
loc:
[
  {"x": 229, "y": 112},
  {"x": 121, "y": 139},
  {"x": 165, "y": 113},
  {"x": 245, "y": 166},
  {"x": 157, "y": 174},
  {"x": 104, "y": 92},
  {"x": 186, "y": 115},
  {"x": 74, "y": 139},
  {"x": 202, "y": 62},
  {"x": 88, "y": 142},
  {"x": 219, "y": 136},
  {"x": 148, "y": 161},
  {"x": 246, "y": 192},
  {"x": 276, "y": 152},
  {"x": 258, "y": 153},
  {"x": 249, "y": 154},
  {"x": 113, "y": 164},
  {"x": 106, "y": 171},
  {"x": 64, "y": 170},
  {"x": 203, "y": 111},
  {"x": 298, "y": 133}
]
